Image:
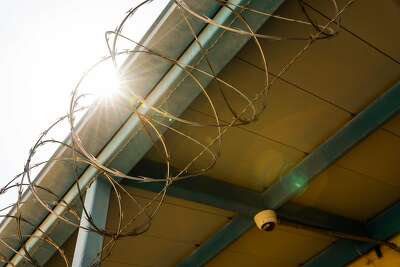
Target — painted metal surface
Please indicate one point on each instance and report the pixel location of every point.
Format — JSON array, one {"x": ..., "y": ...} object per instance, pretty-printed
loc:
[
  {"x": 278, "y": 188},
  {"x": 209, "y": 191},
  {"x": 49, "y": 223},
  {"x": 89, "y": 244},
  {"x": 386, "y": 224},
  {"x": 367, "y": 121},
  {"x": 220, "y": 194},
  {"x": 293, "y": 183},
  {"x": 218, "y": 242},
  {"x": 210, "y": 36},
  {"x": 382, "y": 227}
]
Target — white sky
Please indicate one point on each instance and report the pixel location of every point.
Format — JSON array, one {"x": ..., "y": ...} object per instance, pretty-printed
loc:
[{"x": 45, "y": 46}]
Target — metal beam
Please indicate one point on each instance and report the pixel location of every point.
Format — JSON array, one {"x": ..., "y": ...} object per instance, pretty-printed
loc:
[
  {"x": 219, "y": 194},
  {"x": 382, "y": 227},
  {"x": 386, "y": 224},
  {"x": 223, "y": 50},
  {"x": 334, "y": 148},
  {"x": 218, "y": 242},
  {"x": 367, "y": 121},
  {"x": 121, "y": 143},
  {"x": 90, "y": 244}
]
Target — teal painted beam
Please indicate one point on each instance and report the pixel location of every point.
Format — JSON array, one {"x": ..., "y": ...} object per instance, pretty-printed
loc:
[
  {"x": 224, "y": 47},
  {"x": 223, "y": 238},
  {"x": 382, "y": 227},
  {"x": 370, "y": 119},
  {"x": 367, "y": 121},
  {"x": 386, "y": 224},
  {"x": 90, "y": 244},
  {"x": 219, "y": 194},
  {"x": 338, "y": 254}
]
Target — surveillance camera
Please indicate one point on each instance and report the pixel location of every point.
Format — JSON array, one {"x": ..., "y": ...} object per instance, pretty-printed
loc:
[{"x": 266, "y": 220}]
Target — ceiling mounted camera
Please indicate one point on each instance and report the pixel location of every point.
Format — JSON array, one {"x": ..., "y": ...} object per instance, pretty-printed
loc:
[{"x": 266, "y": 220}]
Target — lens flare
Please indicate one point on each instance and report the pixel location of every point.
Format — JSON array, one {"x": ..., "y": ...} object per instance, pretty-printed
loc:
[{"x": 103, "y": 82}]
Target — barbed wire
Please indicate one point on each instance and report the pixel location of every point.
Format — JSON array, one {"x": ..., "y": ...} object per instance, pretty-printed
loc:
[{"x": 154, "y": 119}]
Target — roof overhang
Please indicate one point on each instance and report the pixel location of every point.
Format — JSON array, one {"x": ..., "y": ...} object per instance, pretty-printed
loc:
[{"x": 121, "y": 144}]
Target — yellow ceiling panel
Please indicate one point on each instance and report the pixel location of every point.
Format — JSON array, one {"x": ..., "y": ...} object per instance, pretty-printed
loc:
[
  {"x": 149, "y": 251},
  {"x": 377, "y": 156},
  {"x": 347, "y": 193},
  {"x": 236, "y": 259},
  {"x": 182, "y": 203},
  {"x": 176, "y": 230},
  {"x": 285, "y": 246},
  {"x": 293, "y": 116},
  {"x": 393, "y": 125},
  {"x": 109, "y": 263},
  {"x": 341, "y": 73},
  {"x": 390, "y": 258},
  {"x": 172, "y": 222},
  {"x": 68, "y": 248},
  {"x": 374, "y": 21},
  {"x": 342, "y": 70},
  {"x": 247, "y": 159}
]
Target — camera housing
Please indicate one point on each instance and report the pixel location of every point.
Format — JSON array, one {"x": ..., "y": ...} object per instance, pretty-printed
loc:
[{"x": 266, "y": 220}]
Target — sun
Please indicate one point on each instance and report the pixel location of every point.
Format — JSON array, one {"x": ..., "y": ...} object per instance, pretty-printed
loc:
[{"x": 103, "y": 82}]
